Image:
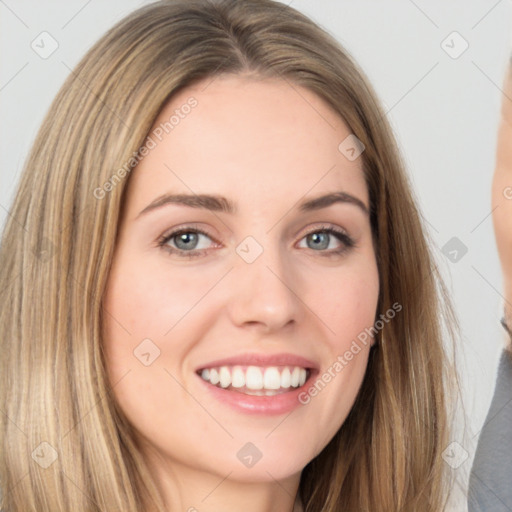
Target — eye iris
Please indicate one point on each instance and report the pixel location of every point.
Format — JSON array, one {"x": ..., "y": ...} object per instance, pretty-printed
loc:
[
  {"x": 188, "y": 239},
  {"x": 320, "y": 240}
]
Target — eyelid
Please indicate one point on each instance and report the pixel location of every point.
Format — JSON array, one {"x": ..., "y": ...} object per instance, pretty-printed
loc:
[
  {"x": 184, "y": 228},
  {"x": 325, "y": 227}
]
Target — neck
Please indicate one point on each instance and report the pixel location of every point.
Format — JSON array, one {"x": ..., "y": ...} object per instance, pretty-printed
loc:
[{"x": 188, "y": 489}]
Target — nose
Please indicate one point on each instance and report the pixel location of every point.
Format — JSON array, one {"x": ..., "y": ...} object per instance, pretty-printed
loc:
[{"x": 262, "y": 295}]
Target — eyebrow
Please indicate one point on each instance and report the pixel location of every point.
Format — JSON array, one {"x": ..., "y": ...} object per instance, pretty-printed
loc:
[
  {"x": 217, "y": 203},
  {"x": 332, "y": 198}
]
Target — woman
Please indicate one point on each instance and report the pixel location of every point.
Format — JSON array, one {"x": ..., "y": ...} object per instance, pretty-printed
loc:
[
  {"x": 223, "y": 296},
  {"x": 489, "y": 484}
]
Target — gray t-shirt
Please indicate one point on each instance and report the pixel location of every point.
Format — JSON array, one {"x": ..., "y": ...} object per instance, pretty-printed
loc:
[{"x": 490, "y": 484}]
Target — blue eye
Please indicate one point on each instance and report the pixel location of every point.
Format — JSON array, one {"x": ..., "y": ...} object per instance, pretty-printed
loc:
[
  {"x": 324, "y": 238},
  {"x": 319, "y": 240},
  {"x": 185, "y": 242}
]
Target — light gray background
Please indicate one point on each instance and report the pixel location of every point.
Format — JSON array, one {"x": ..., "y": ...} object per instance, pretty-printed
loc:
[{"x": 444, "y": 111}]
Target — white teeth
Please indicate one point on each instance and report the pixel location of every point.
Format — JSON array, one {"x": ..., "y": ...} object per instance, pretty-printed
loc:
[
  {"x": 285, "y": 378},
  {"x": 255, "y": 380},
  {"x": 238, "y": 377},
  {"x": 214, "y": 376},
  {"x": 272, "y": 378},
  {"x": 294, "y": 378},
  {"x": 225, "y": 377}
]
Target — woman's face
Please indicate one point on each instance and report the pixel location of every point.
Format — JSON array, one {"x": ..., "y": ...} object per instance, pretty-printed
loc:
[{"x": 244, "y": 265}]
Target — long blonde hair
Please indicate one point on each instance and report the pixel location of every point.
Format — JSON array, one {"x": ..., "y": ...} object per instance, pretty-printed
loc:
[{"x": 65, "y": 444}]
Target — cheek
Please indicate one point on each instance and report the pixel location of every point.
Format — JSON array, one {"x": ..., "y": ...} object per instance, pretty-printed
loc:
[
  {"x": 346, "y": 303},
  {"x": 148, "y": 300},
  {"x": 139, "y": 310},
  {"x": 346, "y": 306},
  {"x": 150, "y": 322}
]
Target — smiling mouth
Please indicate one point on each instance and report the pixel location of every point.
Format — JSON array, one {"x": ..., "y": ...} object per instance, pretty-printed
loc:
[{"x": 256, "y": 380}]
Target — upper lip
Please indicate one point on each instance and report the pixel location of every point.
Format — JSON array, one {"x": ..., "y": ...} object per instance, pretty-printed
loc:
[{"x": 253, "y": 359}]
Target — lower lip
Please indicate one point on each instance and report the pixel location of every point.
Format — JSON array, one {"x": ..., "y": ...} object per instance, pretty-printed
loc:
[{"x": 281, "y": 403}]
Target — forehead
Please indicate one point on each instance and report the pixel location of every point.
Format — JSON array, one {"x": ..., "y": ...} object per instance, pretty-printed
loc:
[{"x": 249, "y": 138}]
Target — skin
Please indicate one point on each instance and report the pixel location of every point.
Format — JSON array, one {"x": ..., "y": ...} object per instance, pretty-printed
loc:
[
  {"x": 265, "y": 147},
  {"x": 502, "y": 195}
]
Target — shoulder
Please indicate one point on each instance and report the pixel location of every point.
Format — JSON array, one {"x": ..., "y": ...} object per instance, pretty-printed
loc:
[{"x": 489, "y": 485}]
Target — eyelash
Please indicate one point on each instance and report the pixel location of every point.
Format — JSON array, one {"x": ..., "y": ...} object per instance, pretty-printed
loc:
[{"x": 342, "y": 236}]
